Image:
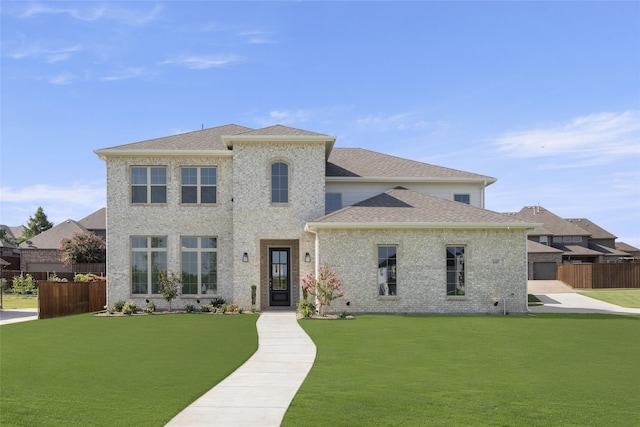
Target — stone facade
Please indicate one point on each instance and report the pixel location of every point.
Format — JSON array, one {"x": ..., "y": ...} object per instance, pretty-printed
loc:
[{"x": 494, "y": 261}]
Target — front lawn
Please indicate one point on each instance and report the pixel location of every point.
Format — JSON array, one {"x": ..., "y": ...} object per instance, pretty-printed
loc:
[
  {"x": 474, "y": 370},
  {"x": 19, "y": 301},
  {"x": 623, "y": 297},
  {"x": 116, "y": 371}
]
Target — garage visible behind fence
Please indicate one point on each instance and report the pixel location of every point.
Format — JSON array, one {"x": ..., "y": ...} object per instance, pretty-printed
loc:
[{"x": 58, "y": 299}]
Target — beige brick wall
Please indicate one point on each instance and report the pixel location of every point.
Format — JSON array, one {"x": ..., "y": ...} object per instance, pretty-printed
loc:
[
  {"x": 495, "y": 266},
  {"x": 256, "y": 219},
  {"x": 172, "y": 220}
]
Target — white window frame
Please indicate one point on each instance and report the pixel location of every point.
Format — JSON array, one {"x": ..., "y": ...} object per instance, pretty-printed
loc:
[
  {"x": 280, "y": 188},
  {"x": 151, "y": 247},
  {"x": 387, "y": 275},
  {"x": 462, "y": 196},
  {"x": 149, "y": 185},
  {"x": 199, "y": 185},
  {"x": 456, "y": 284},
  {"x": 199, "y": 250}
]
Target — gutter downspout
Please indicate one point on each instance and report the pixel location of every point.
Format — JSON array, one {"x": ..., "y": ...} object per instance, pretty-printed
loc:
[{"x": 316, "y": 257}]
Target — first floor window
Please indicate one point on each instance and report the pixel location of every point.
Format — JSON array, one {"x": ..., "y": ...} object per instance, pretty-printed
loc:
[
  {"x": 198, "y": 185},
  {"x": 462, "y": 198},
  {"x": 455, "y": 270},
  {"x": 387, "y": 270},
  {"x": 199, "y": 265},
  {"x": 148, "y": 260},
  {"x": 149, "y": 184}
]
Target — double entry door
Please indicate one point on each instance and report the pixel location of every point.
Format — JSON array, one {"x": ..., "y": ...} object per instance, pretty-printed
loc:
[{"x": 279, "y": 276}]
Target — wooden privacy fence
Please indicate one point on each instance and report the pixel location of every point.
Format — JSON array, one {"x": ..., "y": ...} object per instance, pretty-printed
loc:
[
  {"x": 58, "y": 299},
  {"x": 600, "y": 276}
]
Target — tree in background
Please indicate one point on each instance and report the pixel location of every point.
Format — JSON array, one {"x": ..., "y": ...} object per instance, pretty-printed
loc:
[
  {"x": 37, "y": 224},
  {"x": 83, "y": 248}
]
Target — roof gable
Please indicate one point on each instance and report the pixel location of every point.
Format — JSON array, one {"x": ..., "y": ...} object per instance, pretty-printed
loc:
[
  {"x": 51, "y": 238},
  {"x": 595, "y": 230},
  {"x": 402, "y": 207},
  {"x": 95, "y": 221},
  {"x": 362, "y": 163},
  {"x": 552, "y": 223}
]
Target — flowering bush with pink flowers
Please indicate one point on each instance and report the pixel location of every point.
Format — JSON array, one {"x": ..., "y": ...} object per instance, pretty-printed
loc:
[{"x": 326, "y": 287}]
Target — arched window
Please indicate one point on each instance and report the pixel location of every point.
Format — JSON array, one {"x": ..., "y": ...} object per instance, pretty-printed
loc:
[{"x": 279, "y": 183}]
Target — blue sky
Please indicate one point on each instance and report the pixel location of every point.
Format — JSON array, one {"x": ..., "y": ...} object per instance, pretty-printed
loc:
[{"x": 544, "y": 96}]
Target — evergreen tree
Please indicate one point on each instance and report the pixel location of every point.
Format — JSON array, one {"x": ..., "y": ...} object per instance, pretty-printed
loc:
[{"x": 37, "y": 224}]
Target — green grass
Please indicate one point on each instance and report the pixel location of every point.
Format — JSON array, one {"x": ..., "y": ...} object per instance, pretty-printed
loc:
[
  {"x": 450, "y": 370},
  {"x": 119, "y": 371},
  {"x": 623, "y": 297},
  {"x": 19, "y": 301},
  {"x": 533, "y": 300}
]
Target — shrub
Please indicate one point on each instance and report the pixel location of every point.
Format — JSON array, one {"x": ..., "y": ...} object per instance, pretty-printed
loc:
[
  {"x": 306, "y": 308},
  {"x": 5, "y": 285},
  {"x": 150, "y": 308},
  {"x": 240, "y": 310},
  {"x": 24, "y": 284},
  {"x": 217, "y": 302},
  {"x": 325, "y": 288},
  {"x": 253, "y": 309},
  {"x": 117, "y": 306},
  {"x": 54, "y": 278},
  {"x": 253, "y": 294},
  {"x": 130, "y": 308},
  {"x": 189, "y": 308},
  {"x": 233, "y": 308},
  {"x": 206, "y": 308},
  {"x": 221, "y": 309}
]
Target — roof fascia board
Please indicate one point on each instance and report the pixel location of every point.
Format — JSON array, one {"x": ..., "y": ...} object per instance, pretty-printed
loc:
[
  {"x": 104, "y": 154},
  {"x": 314, "y": 226},
  {"x": 228, "y": 140},
  {"x": 352, "y": 179}
]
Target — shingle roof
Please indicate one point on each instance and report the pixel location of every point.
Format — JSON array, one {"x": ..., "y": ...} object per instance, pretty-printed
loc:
[
  {"x": 401, "y": 206},
  {"x": 358, "y": 162},
  {"x": 278, "y": 130},
  {"x": 552, "y": 223},
  {"x": 622, "y": 246},
  {"x": 595, "y": 230},
  {"x": 51, "y": 238},
  {"x": 576, "y": 250},
  {"x": 539, "y": 248},
  {"x": 205, "y": 139},
  {"x": 604, "y": 250},
  {"x": 95, "y": 221}
]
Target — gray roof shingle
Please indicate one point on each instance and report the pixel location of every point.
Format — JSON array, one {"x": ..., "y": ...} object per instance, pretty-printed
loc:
[
  {"x": 552, "y": 223},
  {"x": 402, "y": 206},
  {"x": 359, "y": 162},
  {"x": 51, "y": 238},
  {"x": 595, "y": 230}
]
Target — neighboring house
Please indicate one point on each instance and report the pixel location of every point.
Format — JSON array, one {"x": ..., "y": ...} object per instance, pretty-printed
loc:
[
  {"x": 10, "y": 251},
  {"x": 634, "y": 253},
  {"x": 232, "y": 207},
  {"x": 573, "y": 240},
  {"x": 41, "y": 253}
]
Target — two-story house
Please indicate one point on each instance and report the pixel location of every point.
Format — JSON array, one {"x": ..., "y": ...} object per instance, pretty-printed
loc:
[{"x": 232, "y": 207}]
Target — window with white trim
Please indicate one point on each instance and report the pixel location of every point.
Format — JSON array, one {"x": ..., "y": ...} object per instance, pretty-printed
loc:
[
  {"x": 544, "y": 240},
  {"x": 198, "y": 185},
  {"x": 148, "y": 260},
  {"x": 455, "y": 271},
  {"x": 387, "y": 273},
  {"x": 148, "y": 184},
  {"x": 199, "y": 265}
]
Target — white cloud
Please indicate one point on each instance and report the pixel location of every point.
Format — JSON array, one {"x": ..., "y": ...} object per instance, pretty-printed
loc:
[
  {"x": 256, "y": 37},
  {"x": 203, "y": 62},
  {"x": 59, "y": 203},
  {"x": 49, "y": 54},
  {"x": 398, "y": 121},
  {"x": 587, "y": 141},
  {"x": 125, "y": 74},
  {"x": 62, "y": 79},
  {"x": 90, "y": 12}
]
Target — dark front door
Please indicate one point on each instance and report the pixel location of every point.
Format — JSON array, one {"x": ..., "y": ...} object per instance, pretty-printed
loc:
[{"x": 279, "y": 277}]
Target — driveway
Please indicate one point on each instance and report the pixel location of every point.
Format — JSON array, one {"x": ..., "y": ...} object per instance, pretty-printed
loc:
[
  {"x": 17, "y": 315},
  {"x": 561, "y": 298}
]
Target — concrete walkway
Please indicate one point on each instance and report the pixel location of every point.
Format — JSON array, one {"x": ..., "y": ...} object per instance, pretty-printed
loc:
[
  {"x": 259, "y": 392},
  {"x": 16, "y": 315},
  {"x": 561, "y": 298}
]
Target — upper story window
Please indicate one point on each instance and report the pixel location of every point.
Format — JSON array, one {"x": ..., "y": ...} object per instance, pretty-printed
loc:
[
  {"x": 557, "y": 239},
  {"x": 149, "y": 184},
  {"x": 332, "y": 202},
  {"x": 279, "y": 183},
  {"x": 544, "y": 240},
  {"x": 577, "y": 239},
  {"x": 198, "y": 185},
  {"x": 462, "y": 198}
]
